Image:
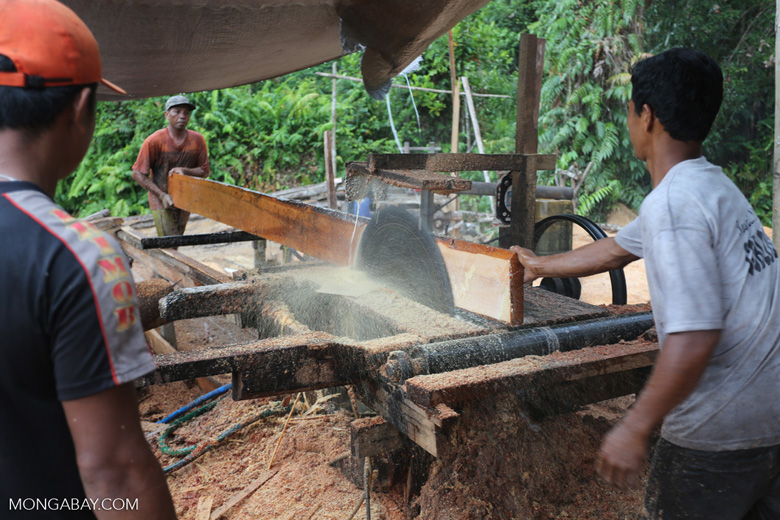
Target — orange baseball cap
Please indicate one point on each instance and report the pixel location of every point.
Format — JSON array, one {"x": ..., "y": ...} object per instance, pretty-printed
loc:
[{"x": 50, "y": 46}]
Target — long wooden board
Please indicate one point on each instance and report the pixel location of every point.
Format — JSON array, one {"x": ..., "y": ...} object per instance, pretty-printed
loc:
[
  {"x": 320, "y": 232},
  {"x": 485, "y": 280}
]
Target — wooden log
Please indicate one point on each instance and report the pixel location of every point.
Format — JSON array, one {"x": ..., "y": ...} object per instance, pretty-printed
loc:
[
  {"x": 528, "y": 372},
  {"x": 372, "y": 436},
  {"x": 457, "y": 162},
  {"x": 149, "y": 294}
]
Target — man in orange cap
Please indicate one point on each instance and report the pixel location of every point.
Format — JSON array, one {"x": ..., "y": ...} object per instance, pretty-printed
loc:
[
  {"x": 71, "y": 445},
  {"x": 174, "y": 149}
]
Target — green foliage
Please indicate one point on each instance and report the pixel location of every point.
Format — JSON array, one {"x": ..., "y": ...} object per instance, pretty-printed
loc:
[
  {"x": 740, "y": 37},
  {"x": 590, "y": 47},
  {"x": 269, "y": 135}
]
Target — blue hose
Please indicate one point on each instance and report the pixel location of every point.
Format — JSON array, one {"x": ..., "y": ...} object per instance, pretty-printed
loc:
[{"x": 202, "y": 399}]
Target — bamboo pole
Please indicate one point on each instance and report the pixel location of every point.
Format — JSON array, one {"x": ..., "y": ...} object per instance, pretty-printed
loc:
[
  {"x": 455, "y": 114},
  {"x": 333, "y": 120},
  {"x": 273, "y": 456},
  {"x": 477, "y": 132},
  {"x": 455, "y": 98}
]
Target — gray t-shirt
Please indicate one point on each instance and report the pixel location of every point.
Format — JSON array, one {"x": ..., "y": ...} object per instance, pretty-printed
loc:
[{"x": 711, "y": 266}]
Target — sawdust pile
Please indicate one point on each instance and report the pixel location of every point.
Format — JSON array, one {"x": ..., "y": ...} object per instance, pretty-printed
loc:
[
  {"x": 302, "y": 484},
  {"x": 514, "y": 467}
]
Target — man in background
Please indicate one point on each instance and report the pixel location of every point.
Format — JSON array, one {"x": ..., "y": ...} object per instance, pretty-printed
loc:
[
  {"x": 714, "y": 285},
  {"x": 174, "y": 149},
  {"x": 71, "y": 445}
]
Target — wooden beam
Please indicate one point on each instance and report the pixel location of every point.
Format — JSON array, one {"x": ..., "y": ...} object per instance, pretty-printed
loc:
[
  {"x": 159, "y": 345},
  {"x": 372, "y": 436},
  {"x": 269, "y": 367},
  {"x": 319, "y": 232},
  {"x": 529, "y": 372},
  {"x": 530, "y": 69},
  {"x": 458, "y": 162},
  {"x": 422, "y": 426}
]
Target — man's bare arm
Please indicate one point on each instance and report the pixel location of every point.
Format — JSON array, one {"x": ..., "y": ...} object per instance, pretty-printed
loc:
[
  {"x": 148, "y": 184},
  {"x": 597, "y": 257},
  {"x": 113, "y": 457},
  {"x": 679, "y": 367}
]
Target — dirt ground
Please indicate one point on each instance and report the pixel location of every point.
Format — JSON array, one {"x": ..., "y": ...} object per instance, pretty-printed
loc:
[{"x": 514, "y": 467}]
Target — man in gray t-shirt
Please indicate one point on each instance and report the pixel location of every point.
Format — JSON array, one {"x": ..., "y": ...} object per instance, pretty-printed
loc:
[{"x": 714, "y": 282}]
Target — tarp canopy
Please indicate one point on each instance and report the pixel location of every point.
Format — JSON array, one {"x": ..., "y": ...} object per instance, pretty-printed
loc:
[{"x": 164, "y": 47}]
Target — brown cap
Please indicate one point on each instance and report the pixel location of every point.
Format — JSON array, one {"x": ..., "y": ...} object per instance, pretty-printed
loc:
[{"x": 50, "y": 46}]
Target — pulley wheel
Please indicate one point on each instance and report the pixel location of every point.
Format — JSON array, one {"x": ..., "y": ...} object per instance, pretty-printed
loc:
[{"x": 616, "y": 276}]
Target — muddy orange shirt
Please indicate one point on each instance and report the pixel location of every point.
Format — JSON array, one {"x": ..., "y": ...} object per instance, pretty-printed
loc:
[{"x": 159, "y": 154}]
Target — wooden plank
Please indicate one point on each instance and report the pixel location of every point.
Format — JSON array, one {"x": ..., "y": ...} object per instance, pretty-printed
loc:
[
  {"x": 319, "y": 232},
  {"x": 415, "y": 422},
  {"x": 171, "y": 265},
  {"x": 485, "y": 280},
  {"x": 264, "y": 477},
  {"x": 412, "y": 179},
  {"x": 529, "y": 372},
  {"x": 455, "y": 162},
  {"x": 372, "y": 436}
]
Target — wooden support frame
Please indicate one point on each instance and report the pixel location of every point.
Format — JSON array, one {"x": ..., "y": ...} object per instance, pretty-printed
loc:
[
  {"x": 529, "y": 86},
  {"x": 528, "y": 372},
  {"x": 417, "y": 179}
]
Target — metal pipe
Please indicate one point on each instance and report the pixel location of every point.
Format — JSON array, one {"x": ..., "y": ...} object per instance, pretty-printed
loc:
[
  {"x": 542, "y": 192},
  {"x": 220, "y": 237},
  {"x": 458, "y": 354}
]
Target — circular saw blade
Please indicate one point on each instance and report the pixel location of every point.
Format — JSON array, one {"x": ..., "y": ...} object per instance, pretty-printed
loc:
[{"x": 394, "y": 251}]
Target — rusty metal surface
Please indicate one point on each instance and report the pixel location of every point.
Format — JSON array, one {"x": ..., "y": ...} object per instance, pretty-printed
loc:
[
  {"x": 412, "y": 179},
  {"x": 163, "y": 47},
  {"x": 458, "y": 162}
]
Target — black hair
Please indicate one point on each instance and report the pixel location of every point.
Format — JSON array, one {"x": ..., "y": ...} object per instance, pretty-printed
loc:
[
  {"x": 683, "y": 87},
  {"x": 34, "y": 109}
]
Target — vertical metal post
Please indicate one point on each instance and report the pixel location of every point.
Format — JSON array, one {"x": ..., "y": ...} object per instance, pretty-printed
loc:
[{"x": 426, "y": 211}]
